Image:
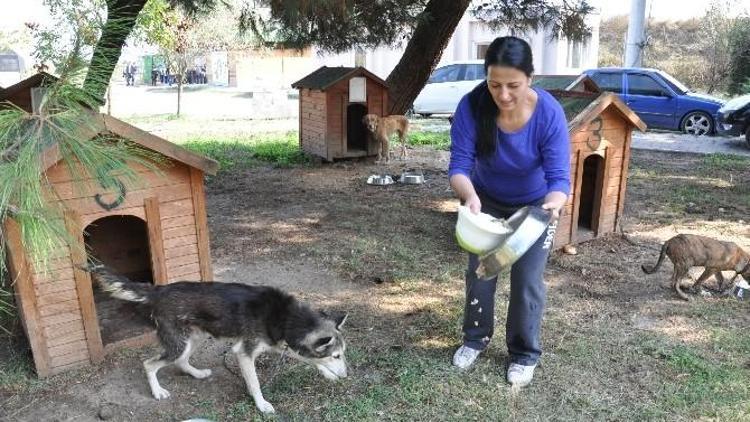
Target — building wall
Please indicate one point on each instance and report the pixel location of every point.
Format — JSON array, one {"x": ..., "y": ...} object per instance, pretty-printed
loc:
[
  {"x": 258, "y": 70},
  {"x": 550, "y": 56}
]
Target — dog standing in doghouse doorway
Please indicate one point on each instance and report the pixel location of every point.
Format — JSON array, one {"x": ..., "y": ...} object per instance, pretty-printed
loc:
[{"x": 382, "y": 128}]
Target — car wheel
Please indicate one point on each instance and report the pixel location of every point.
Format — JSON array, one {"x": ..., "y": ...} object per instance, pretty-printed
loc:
[
  {"x": 425, "y": 114},
  {"x": 697, "y": 123}
]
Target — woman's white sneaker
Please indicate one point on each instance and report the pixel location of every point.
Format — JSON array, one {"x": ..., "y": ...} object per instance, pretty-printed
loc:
[
  {"x": 520, "y": 375},
  {"x": 465, "y": 357}
]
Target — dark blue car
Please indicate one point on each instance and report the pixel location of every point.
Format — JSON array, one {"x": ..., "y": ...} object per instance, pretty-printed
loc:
[{"x": 659, "y": 99}]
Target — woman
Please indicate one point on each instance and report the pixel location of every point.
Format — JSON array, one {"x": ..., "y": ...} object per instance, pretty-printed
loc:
[{"x": 509, "y": 148}]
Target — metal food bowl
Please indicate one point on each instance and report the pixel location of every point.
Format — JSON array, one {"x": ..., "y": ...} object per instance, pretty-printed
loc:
[
  {"x": 528, "y": 224},
  {"x": 412, "y": 177},
  {"x": 380, "y": 180}
]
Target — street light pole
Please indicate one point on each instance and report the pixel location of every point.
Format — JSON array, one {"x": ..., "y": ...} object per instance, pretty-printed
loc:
[{"x": 636, "y": 35}]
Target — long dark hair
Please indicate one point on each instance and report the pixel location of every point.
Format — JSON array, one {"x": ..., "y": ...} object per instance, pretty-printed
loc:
[{"x": 503, "y": 51}]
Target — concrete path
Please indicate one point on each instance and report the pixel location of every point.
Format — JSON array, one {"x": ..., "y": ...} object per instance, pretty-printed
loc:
[{"x": 678, "y": 142}]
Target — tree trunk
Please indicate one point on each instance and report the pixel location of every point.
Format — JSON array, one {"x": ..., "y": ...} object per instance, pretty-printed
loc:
[
  {"x": 121, "y": 17},
  {"x": 109, "y": 100},
  {"x": 439, "y": 20},
  {"x": 179, "y": 94}
]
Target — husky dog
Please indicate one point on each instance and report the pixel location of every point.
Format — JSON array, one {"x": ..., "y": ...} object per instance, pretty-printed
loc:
[{"x": 260, "y": 319}]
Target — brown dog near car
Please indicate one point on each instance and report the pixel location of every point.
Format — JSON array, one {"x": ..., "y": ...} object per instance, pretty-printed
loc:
[
  {"x": 689, "y": 250},
  {"x": 382, "y": 128}
]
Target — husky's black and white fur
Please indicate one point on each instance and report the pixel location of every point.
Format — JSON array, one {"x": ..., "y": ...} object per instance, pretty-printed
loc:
[{"x": 259, "y": 318}]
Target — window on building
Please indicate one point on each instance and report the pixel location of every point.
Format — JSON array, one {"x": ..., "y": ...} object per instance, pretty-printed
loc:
[
  {"x": 576, "y": 52},
  {"x": 481, "y": 51},
  {"x": 9, "y": 63},
  {"x": 360, "y": 58}
]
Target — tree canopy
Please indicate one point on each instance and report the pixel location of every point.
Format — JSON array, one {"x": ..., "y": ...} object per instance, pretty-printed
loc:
[{"x": 423, "y": 26}]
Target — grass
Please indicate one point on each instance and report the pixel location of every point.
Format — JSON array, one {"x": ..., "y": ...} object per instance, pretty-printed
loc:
[
  {"x": 8, "y": 314},
  {"x": 712, "y": 163},
  {"x": 701, "y": 184},
  {"x": 707, "y": 386},
  {"x": 690, "y": 362},
  {"x": 16, "y": 367},
  {"x": 281, "y": 150},
  {"x": 153, "y": 118},
  {"x": 437, "y": 140}
]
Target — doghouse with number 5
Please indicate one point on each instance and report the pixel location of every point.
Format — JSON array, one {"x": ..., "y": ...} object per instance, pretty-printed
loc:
[
  {"x": 332, "y": 103},
  {"x": 155, "y": 233},
  {"x": 600, "y": 127}
]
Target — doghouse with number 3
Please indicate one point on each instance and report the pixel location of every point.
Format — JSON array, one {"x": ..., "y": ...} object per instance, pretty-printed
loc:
[
  {"x": 600, "y": 127},
  {"x": 332, "y": 103},
  {"x": 155, "y": 233}
]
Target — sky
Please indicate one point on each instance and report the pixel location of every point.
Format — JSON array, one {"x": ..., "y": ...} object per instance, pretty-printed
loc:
[{"x": 16, "y": 12}]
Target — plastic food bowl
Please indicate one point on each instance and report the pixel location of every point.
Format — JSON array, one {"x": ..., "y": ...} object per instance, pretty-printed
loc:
[{"x": 479, "y": 233}]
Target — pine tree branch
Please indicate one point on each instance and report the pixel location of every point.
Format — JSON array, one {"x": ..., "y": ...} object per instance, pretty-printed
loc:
[
  {"x": 11, "y": 152},
  {"x": 12, "y": 210}
]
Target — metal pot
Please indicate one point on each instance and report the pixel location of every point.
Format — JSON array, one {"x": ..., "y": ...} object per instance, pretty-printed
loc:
[
  {"x": 412, "y": 177},
  {"x": 380, "y": 180},
  {"x": 741, "y": 290},
  {"x": 528, "y": 224}
]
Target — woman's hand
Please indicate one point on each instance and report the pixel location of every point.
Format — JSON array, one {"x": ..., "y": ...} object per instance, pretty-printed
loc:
[
  {"x": 463, "y": 187},
  {"x": 473, "y": 203},
  {"x": 554, "y": 202}
]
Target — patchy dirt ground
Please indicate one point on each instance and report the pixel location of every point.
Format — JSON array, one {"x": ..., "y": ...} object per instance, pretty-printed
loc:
[{"x": 616, "y": 341}]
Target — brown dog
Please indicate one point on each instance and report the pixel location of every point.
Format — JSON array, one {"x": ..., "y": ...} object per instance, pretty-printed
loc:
[
  {"x": 689, "y": 250},
  {"x": 383, "y": 127}
]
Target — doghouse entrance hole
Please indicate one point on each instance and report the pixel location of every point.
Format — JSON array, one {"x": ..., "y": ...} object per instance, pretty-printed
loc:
[
  {"x": 120, "y": 243},
  {"x": 590, "y": 194},
  {"x": 356, "y": 133}
]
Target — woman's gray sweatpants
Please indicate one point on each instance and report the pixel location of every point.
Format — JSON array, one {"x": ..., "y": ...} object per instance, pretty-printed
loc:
[{"x": 527, "y": 298}]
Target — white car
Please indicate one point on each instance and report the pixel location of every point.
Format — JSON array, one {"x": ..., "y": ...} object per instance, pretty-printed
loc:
[{"x": 447, "y": 85}]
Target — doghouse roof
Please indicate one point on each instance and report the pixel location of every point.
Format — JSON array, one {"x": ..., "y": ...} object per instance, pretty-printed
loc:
[
  {"x": 105, "y": 123},
  {"x": 325, "y": 77},
  {"x": 566, "y": 83},
  {"x": 33, "y": 81},
  {"x": 583, "y": 107}
]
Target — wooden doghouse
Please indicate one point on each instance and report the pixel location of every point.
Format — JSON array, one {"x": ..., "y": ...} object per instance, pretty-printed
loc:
[
  {"x": 600, "y": 127},
  {"x": 332, "y": 103},
  {"x": 156, "y": 233},
  {"x": 575, "y": 83}
]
